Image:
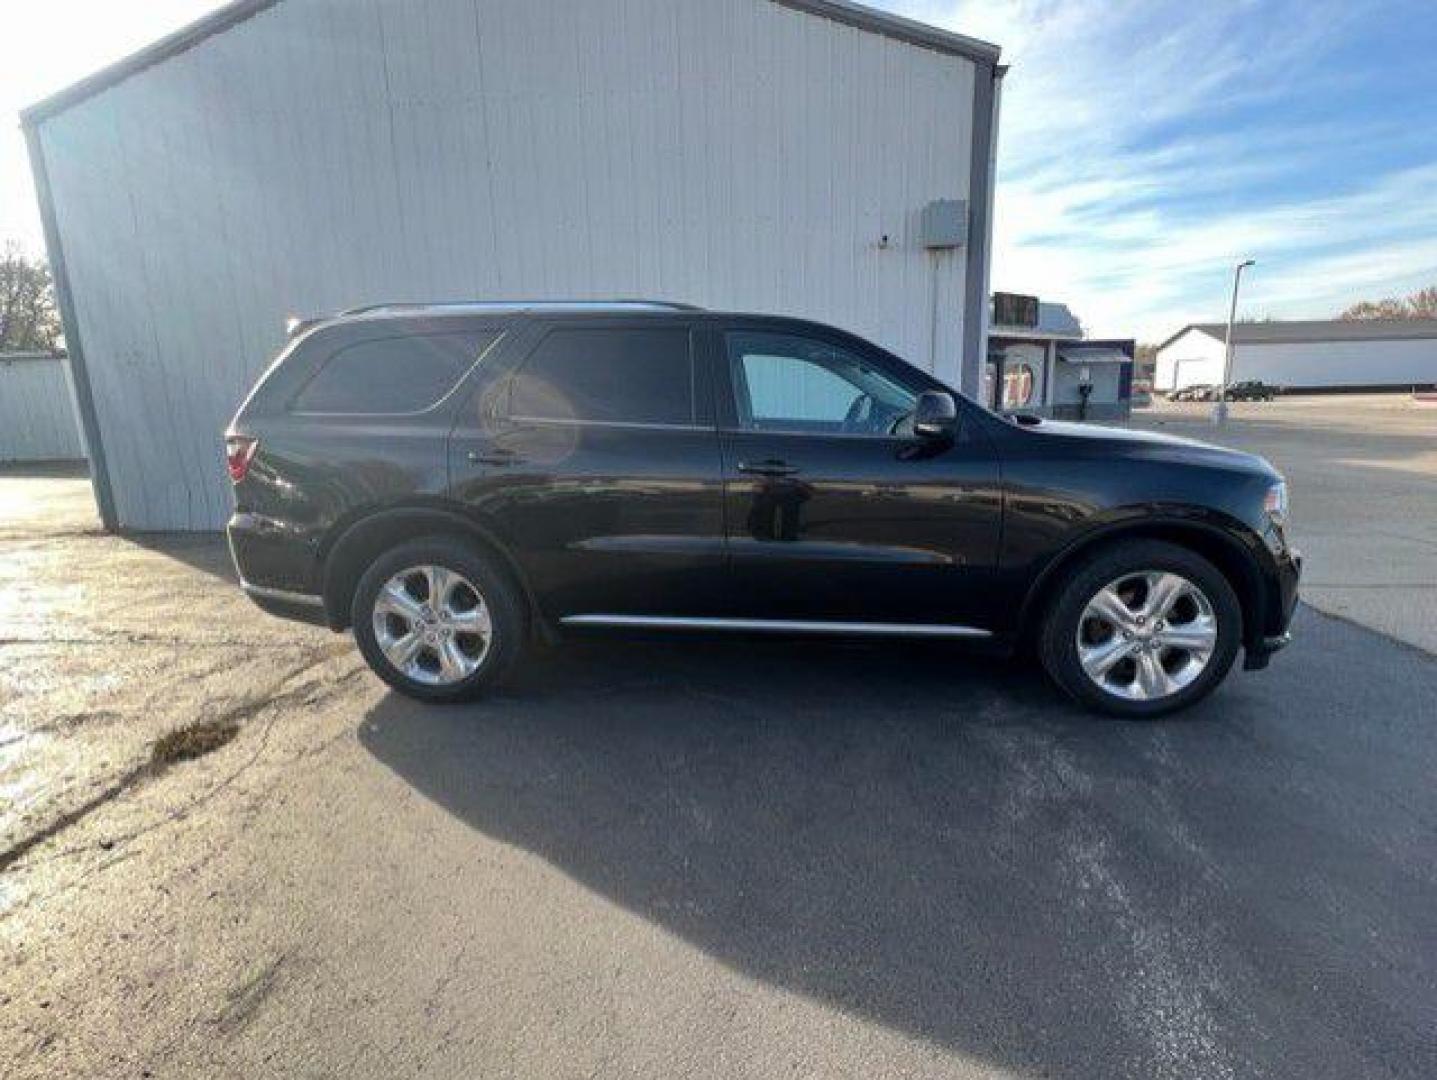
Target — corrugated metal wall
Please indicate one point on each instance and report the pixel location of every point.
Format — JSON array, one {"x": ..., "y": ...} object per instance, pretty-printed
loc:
[
  {"x": 37, "y": 413},
  {"x": 329, "y": 153},
  {"x": 1196, "y": 358},
  {"x": 1321, "y": 364}
]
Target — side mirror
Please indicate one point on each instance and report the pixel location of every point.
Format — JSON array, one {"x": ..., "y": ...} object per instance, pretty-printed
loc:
[{"x": 935, "y": 416}]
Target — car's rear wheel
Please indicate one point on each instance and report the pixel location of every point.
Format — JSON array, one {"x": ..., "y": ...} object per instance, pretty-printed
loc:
[
  {"x": 435, "y": 620},
  {"x": 1142, "y": 629}
]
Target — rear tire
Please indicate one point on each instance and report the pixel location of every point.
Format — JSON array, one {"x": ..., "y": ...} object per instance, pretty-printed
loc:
[
  {"x": 1141, "y": 629},
  {"x": 437, "y": 621}
]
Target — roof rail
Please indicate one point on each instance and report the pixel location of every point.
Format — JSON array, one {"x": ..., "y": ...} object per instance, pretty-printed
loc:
[{"x": 522, "y": 305}]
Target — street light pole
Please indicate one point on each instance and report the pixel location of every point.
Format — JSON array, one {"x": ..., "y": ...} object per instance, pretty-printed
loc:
[{"x": 1219, "y": 409}]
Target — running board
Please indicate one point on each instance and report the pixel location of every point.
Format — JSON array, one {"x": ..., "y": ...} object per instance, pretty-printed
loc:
[{"x": 779, "y": 626}]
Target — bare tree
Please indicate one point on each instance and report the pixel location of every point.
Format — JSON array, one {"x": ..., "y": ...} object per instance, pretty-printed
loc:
[
  {"x": 1424, "y": 303},
  {"x": 1420, "y": 305},
  {"x": 28, "y": 318}
]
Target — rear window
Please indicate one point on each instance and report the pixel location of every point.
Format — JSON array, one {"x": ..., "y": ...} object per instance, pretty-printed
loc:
[
  {"x": 393, "y": 375},
  {"x": 627, "y": 376}
]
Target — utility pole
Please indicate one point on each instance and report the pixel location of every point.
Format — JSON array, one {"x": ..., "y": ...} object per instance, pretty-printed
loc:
[{"x": 1219, "y": 409}]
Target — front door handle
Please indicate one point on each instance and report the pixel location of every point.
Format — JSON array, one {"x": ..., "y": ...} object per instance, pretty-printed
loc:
[
  {"x": 497, "y": 455},
  {"x": 767, "y": 467}
]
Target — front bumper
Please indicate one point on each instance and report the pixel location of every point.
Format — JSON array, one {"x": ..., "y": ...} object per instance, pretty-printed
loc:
[{"x": 1277, "y": 636}]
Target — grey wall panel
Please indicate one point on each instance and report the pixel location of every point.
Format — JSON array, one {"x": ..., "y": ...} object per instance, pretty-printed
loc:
[
  {"x": 328, "y": 153},
  {"x": 37, "y": 411}
]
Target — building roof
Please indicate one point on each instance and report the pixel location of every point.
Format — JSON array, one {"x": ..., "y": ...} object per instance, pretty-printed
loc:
[
  {"x": 1311, "y": 332},
  {"x": 1055, "y": 323},
  {"x": 238, "y": 11},
  {"x": 1104, "y": 353}
]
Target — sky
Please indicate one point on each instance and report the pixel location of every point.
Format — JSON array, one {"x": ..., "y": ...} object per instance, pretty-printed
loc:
[{"x": 1145, "y": 146}]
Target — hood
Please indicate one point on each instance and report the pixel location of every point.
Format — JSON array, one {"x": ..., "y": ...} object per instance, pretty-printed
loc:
[{"x": 1148, "y": 444}]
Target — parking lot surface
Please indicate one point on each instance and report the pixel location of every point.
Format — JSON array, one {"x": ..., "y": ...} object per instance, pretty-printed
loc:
[
  {"x": 1363, "y": 474},
  {"x": 692, "y": 858}
]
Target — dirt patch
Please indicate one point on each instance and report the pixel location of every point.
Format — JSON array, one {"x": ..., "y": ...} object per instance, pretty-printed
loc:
[{"x": 192, "y": 741}]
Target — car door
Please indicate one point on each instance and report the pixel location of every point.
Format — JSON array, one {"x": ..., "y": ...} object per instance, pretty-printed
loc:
[
  {"x": 830, "y": 514},
  {"x": 595, "y": 460}
]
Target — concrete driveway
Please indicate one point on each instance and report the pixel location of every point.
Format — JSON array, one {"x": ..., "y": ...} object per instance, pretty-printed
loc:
[{"x": 716, "y": 859}]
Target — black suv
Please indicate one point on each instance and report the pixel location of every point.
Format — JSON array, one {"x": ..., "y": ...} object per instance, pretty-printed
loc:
[{"x": 452, "y": 481}]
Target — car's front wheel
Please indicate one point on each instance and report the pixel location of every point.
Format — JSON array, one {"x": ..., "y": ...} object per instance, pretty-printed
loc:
[
  {"x": 1142, "y": 629},
  {"x": 435, "y": 620}
]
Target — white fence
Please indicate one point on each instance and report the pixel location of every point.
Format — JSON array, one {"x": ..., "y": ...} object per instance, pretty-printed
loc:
[{"x": 37, "y": 414}]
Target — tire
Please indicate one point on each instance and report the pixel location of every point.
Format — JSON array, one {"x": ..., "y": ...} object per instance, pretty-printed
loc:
[
  {"x": 1141, "y": 575},
  {"x": 480, "y": 609}
]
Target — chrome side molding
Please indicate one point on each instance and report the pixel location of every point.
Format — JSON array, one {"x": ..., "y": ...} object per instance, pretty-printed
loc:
[
  {"x": 282, "y": 595},
  {"x": 779, "y": 626}
]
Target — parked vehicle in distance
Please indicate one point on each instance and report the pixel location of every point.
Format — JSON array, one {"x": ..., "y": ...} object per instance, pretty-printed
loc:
[
  {"x": 1251, "y": 390},
  {"x": 452, "y": 482},
  {"x": 1196, "y": 392}
]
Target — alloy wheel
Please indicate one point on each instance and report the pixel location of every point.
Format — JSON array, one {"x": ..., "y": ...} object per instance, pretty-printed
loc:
[
  {"x": 432, "y": 625},
  {"x": 1147, "y": 635}
]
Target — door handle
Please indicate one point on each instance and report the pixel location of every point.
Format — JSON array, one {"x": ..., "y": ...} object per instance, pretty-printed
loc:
[
  {"x": 497, "y": 455},
  {"x": 767, "y": 467}
]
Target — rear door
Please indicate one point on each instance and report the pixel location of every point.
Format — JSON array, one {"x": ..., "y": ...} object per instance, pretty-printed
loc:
[
  {"x": 831, "y": 515},
  {"x": 595, "y": 458}
]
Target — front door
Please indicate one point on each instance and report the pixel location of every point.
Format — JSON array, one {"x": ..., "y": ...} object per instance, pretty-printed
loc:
[
  {"x": 832, "y": 513},
  {"x": 597, "y": 464}
]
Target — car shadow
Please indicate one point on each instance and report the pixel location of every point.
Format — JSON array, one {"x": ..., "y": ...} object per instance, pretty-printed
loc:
[{"x": 932, "y": 840}]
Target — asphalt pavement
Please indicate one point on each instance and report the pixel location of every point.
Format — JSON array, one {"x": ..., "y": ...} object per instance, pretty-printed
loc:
[{"x": 687, "y": 858}]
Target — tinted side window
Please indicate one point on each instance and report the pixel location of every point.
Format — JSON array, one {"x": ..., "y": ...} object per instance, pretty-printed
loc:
[
  {"x": 787, "y": 382},
  {"x": 393, "y": 375},
  {"x": 634, "y": 376}
]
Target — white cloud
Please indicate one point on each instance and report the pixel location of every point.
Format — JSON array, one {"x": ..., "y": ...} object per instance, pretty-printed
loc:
[
  {"x": 1118, "y": 193},
  {"x": 1121, "y": 194}
]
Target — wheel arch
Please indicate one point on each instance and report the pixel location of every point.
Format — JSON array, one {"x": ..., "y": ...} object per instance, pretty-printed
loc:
[
  {"x": 354, "y": 545},
  {"x": 1216, "y": 544}
]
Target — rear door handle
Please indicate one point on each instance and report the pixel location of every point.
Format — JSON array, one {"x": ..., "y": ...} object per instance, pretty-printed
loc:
[
  {"x": 768, "y": 467},
  {"x": 497, "y": 455}
]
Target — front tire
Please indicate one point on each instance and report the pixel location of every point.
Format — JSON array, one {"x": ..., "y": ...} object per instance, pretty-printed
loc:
[
  {"x": 437, "y": 621},
  {"x": 1141, "y": 629}
]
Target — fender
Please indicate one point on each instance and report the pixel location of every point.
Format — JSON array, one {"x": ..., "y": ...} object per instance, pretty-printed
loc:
[
  {"x": 351, "y": 544},
  {"x": 1227, "y": 542}
]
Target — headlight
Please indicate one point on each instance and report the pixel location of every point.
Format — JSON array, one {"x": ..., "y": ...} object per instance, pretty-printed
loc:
[{"x": 1275, "y": 502}]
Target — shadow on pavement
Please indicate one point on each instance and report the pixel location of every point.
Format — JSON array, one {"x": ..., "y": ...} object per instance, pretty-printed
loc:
[
  {"x": 206, "y": 552},
  {"x": 45, "y": 470},
  {"x": 940, "y": 844}
]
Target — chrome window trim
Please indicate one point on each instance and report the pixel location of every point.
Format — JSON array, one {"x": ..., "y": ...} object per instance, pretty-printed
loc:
[
  {"x": 779, "y": 626},
  {"x": 558, "y": 421},
  {"x": 870, "y": 436}
]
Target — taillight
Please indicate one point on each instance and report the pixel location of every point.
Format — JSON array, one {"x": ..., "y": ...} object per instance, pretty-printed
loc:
[{"x": 239, "y": 452}]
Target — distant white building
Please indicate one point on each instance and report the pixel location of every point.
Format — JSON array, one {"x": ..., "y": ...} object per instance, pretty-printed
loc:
[
  {"x": 1330, "y": 355},
  {"x": 36, "y": 420}
]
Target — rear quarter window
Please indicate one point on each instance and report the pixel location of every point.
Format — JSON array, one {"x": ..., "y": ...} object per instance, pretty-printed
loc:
[
  {"x": 391, "y": 376},
  {"x": 608, "y": 375}
]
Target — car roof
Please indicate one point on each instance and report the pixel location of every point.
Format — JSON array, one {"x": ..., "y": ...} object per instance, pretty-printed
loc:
[{"x": 426, "y": 312}]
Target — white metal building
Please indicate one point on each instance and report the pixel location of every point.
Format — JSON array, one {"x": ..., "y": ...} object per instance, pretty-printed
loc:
[
  {"x": 807, "y": 157},
  {"x": 37, "y": 419},
  {"x": 1366, "y": 354}
]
